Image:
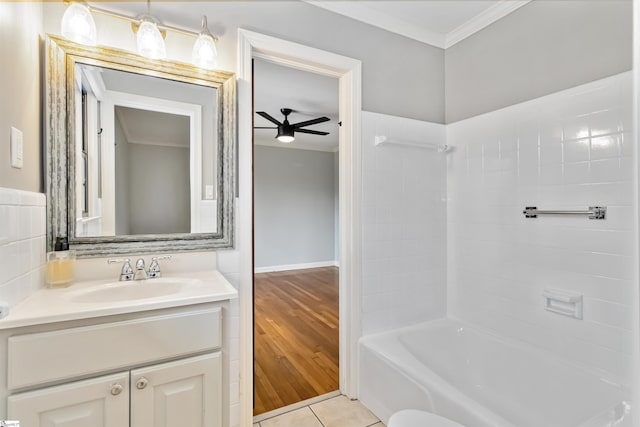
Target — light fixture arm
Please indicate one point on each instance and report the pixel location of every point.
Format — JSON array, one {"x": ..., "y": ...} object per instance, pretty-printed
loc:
[
  {"x": 205, "y": 28},
  {"x": 136, "y": 21}
]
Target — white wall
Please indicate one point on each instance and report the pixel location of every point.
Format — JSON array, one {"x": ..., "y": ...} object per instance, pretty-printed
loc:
[
  {"x": 403, "y": 225},
  {"x": 294, "y": 208},
  {"x": 568, "y": 150},
  {"x": 123, "y": 186},
  {"x": 22, "y": 244}
]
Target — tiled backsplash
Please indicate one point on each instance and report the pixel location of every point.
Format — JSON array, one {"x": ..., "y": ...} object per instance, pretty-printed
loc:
[
  {"x": 403, "y": 224},
  {"x": 22, "y": 244},
  {"x": 568, "y": 150}
]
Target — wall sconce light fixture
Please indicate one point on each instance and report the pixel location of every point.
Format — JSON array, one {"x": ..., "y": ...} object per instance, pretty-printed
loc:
[{"x": 78, "y": 25}]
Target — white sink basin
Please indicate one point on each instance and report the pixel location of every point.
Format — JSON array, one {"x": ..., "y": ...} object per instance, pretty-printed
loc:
[{"x": 132, "y": 290}]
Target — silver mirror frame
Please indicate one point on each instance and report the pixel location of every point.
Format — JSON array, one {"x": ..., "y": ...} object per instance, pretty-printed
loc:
[{"x": 62, "y": 55}]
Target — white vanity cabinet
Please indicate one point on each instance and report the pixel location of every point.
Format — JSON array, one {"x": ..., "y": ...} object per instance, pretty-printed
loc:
[
  {"x": 181, "y": 393},
  {"x": 99, "y": 402},
  {"x": 162, "y": 368}
]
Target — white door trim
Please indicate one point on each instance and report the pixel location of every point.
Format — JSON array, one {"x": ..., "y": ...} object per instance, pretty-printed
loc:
[{"x": 348, "y": 71}]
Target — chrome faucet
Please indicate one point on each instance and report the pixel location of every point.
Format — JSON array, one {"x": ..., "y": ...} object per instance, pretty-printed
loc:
[
  {"x": 140, "y": 273},
  {"x": 154, "y": 268},
  {"x": 127, "y": 272}
]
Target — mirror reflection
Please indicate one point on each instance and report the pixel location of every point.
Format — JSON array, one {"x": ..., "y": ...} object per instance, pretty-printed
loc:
[{"x": 145, "y": 154}]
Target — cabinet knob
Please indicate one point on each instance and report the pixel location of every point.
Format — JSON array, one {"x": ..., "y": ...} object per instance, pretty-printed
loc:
[
  {"x": 141, "y": 383},
  {"x": 116, "y": 389}
]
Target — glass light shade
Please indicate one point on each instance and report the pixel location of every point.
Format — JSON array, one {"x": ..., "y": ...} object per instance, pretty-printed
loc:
[
  {"x": 78, "y": 25},
  {"x": 205, "y": 54},
  {"x": 285, "y": 138},
  {"x": 150, "y": 41}
]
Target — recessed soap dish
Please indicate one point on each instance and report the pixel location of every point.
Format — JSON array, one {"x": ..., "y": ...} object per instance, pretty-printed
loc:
[{"x": 563, "y": 302}]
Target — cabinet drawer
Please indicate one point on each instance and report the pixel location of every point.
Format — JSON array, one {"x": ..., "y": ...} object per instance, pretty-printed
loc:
[{"x": 53, "y": 356}]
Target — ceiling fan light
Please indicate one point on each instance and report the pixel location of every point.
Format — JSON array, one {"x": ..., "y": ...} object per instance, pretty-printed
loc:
[
  {"x": 285, "y": 132},
  {"x": 149, "y": 40},
  {"x": 204, "y": 53},
  {"x": 285, "y": 138},
  {"x": 78, "y": 25}
]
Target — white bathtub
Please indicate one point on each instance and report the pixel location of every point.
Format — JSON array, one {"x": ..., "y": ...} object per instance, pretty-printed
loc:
[{"x": 479, "y": 380}]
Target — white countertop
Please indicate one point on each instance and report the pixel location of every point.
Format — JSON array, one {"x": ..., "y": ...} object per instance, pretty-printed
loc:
[{"x": 57, "y": 305}]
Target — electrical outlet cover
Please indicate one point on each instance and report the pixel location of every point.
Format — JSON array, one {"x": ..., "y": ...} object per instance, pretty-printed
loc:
[{"x": 16, "y": 148}]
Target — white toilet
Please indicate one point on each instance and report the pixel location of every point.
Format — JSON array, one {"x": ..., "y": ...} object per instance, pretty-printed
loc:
[{"x": 415, "y": 418}]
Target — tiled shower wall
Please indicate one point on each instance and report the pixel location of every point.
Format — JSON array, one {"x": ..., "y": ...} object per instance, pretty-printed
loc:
[
  {"x": 568, "y": 150},
  {"x": 22, "y": 244},
  {"x": 403, "y": 253}
]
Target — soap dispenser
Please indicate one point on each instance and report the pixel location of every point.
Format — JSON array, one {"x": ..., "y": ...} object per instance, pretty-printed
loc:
[{"x": 60, "y": 264}]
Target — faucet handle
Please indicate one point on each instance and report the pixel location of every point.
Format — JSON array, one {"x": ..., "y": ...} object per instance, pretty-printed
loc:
[
  {"x": 127, "y": 272},
  {"x": 154, "y": 268}
]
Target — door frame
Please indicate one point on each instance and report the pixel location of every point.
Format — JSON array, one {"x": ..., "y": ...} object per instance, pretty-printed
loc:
[{"x": 348, "y": 71}]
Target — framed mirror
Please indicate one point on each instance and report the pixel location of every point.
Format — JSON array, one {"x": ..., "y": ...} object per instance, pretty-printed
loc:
[{"x": 140, "y": 154}]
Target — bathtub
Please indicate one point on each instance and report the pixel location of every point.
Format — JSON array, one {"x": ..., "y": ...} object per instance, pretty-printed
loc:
[{"x": 479, "y": 379}]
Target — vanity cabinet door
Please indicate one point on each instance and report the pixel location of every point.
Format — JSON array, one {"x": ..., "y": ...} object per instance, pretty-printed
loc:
[
  {"x": 185, "y": 393},
  {"x": 99, "y": 402}
]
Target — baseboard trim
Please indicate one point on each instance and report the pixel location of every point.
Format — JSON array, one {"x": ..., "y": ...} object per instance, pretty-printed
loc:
[{"x": 273, "y": 268}]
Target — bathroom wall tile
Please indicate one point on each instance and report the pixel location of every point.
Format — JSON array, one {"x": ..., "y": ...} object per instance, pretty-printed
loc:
[
  {"x": 234, "y": 415},
  {"x": 606, "y": 147},
  {"x": 500, "y": 262},
  {"x": 404, "y": 217},
  {"x": 22, "y": 244}
]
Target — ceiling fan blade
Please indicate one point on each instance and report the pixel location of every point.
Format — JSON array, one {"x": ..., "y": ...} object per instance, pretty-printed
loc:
[
  {"x": 264, "y": 127},
  {"x": 312, "y": 132},
  {"x": 268, "y": 117},
  {"x": 310, "y": 122}
]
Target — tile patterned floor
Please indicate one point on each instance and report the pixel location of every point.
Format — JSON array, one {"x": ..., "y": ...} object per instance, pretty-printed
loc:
[{"x": 338, "y": 411}]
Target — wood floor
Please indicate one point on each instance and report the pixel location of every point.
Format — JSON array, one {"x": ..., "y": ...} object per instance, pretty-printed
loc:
[{"x": 295, "y": 337}]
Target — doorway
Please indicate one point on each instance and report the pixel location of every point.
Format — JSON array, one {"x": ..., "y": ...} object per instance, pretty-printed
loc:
[
  {"x": 255, "y": 45},
  {"x": 296, "y": 218}
]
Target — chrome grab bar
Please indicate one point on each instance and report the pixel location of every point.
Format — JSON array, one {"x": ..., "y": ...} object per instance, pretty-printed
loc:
[{"x": 594, "y": 212}]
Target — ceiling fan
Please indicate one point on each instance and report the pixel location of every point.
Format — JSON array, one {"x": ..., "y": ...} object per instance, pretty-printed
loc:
[{"x": 286, "y": 130}]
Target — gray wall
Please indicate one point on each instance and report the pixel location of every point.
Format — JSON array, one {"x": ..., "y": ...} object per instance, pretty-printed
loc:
[
  {"x": 20, "y": 30},
  {"x": 181, "y": 92},
  {"x": 159, "y": 194},
  {"x": 294, "y": 197},
  {"x": 401, "y": 76},
  {"x": 543, "y": 47}
]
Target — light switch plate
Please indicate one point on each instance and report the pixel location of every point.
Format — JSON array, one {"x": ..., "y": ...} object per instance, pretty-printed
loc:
[
  {"x": 16, "y": 148},
  {"x": 208, "y": 192}
]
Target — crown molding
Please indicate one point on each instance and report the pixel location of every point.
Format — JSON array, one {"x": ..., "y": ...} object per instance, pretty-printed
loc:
[
  {"x": 373, "y": 17},
  {"x": 484, "y": 19},
  {"x": 395, "y": 25}
]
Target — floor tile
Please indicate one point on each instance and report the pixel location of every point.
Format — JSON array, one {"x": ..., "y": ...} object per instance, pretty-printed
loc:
[
  {"x": 302, "y": 417},
  {"x": 343, "y": 412}
]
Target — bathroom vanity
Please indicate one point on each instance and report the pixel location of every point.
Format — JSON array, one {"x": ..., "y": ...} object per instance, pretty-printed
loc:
[
  {"x": 149, "y": 361},
  {"x": 117, "y": 353}
]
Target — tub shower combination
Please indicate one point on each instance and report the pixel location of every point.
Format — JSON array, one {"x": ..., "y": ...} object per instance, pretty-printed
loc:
[{"x": 479, "y": 379}]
